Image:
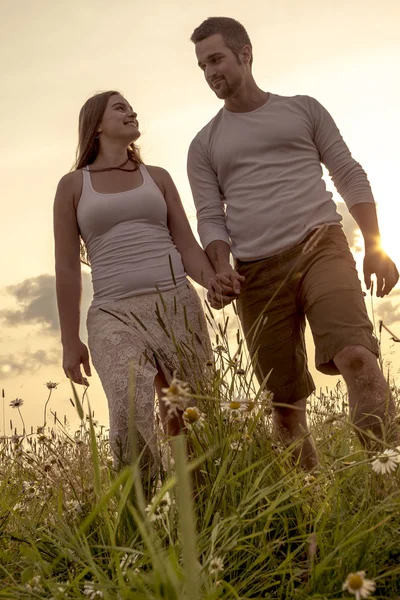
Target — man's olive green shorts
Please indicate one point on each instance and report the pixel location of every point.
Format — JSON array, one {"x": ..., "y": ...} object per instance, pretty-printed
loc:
[{"x": 317, "y": 280}]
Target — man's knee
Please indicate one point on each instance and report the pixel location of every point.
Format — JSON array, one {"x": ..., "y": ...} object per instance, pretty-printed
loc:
[{"x": 354, "y": 359}]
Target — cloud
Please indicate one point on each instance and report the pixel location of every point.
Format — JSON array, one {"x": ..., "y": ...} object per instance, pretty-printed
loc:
[
  {"x": 388, "y": 310},
  {"x": 36, "y": 302},
  {"x": 12, "y": 365}
]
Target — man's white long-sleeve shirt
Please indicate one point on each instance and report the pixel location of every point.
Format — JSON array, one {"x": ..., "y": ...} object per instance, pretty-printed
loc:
[{"x": 266, "y": 165}]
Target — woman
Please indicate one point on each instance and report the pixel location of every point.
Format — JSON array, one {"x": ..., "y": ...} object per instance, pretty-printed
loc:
[{"x": 146, "y": 322}]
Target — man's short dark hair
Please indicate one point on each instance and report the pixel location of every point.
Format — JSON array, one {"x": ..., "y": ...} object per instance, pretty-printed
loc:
[{"x": 233, "y": 33}]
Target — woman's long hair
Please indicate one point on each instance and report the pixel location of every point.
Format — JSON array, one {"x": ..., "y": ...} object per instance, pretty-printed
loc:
[{"x": 90, "y": 117}]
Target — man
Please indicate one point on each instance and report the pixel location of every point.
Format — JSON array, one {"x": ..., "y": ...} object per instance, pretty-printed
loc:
[{"x": 261, "y": 156}]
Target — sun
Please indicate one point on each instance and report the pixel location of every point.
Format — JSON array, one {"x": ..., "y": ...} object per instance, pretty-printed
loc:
[{"x": 390, "y": 235}]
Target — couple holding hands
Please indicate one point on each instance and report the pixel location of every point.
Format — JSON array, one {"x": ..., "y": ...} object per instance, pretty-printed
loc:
[{"x": 256, "y": 177}]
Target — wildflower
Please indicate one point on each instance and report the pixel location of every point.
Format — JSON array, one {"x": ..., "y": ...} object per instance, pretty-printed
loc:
[
  {"x": 29, "y": 488},
  {"x": 16, "y": 403},
  {"x": 90, "y": 592},
  {"x": 266, "y": 396},
  {"x": 247, "y": 408},
  {"x": 128, "y": 561},
  {"x": 236, "y": 404},
  {"x": 386, "y": 462},
  {"x": 176, "y": 396},
  {"x": 34, "y": 585},
  {"x": 20, "y": 507},
  {"x": 74, "y": 506},
  {"x": 266, "y": 399},
  {"x": 309, "y": 479},
  {"x": 193, "y": 417},
  {"x": 158, "y": 509},
  {"x": 236, "y": 445},
  {"x": 61, "y": 589},
  {"x": 216, "y": 565},
  {"x": 51, "y": 385},
  {"x": 359, "y": 586},
  {"x": 277, "y": 446}
]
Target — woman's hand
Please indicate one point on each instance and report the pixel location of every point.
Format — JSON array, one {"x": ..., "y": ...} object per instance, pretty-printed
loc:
[
  {"x": 76, "y": 354},
  {"x": 220, "y": 293}
]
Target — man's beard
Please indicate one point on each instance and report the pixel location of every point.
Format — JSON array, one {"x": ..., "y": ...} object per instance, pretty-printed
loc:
[{"x": 227, "y": 90}]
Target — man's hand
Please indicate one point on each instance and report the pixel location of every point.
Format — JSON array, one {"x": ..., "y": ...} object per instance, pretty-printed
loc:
[
  {"x": 377, "y": 262},
  {"x": 230, "y": 280},
  {"x": 224, "y": 288}
]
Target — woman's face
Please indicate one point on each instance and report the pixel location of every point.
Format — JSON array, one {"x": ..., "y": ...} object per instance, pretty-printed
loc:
[{"x": 119, "y": 121}]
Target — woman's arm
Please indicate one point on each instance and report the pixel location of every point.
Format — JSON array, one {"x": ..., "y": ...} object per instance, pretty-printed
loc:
[
  {"x": 196, "y": 263},
  {"x": 68, "y": 279}
]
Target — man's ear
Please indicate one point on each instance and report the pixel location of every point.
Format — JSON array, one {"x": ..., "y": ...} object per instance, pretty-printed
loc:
[{"x": 246, "y": 54}]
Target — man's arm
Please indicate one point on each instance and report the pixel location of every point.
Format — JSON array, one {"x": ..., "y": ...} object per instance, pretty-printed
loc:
[
  {"x": 352, "y": 184},
  {"x": 376, "y": 261},
  {"x": 218, "y": 252},
  {"x": 211, "y": 223}
]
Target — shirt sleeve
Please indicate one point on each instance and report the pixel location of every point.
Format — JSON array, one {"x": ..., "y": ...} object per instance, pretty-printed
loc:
[
  {"x": 211, "y": 222},
  {"x": 346, "y": 173}
]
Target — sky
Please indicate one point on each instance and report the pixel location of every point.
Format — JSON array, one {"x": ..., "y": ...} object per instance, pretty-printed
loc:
[{"x": 54, "y": 55}]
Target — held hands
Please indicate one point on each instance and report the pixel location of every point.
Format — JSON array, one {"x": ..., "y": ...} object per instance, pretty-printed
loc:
[
  {"x": 75, "y": 354},
  {"x": 377, "y": 262},
  {"x": 224, "y": 288}
]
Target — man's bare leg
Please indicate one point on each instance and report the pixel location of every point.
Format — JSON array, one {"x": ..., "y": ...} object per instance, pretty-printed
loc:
[
  {"x": 290, "y": 424},
  {"x": 371, "y": 404}
]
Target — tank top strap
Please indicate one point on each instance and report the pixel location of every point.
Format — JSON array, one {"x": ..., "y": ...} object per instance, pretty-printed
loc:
[
  {"x": 86, "y": 184},
  {"x": 145, "y": 174}
]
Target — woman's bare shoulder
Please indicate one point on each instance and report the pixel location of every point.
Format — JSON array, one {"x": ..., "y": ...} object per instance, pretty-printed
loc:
[
  {"x": 159, "y": 174},
  {"x": 70, "y": 185}
]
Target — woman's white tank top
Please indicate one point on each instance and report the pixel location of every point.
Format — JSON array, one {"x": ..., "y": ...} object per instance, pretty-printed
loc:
[{"x": 129, "y": 245}]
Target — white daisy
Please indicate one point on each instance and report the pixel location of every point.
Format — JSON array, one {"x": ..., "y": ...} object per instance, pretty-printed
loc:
[
  {"x": 51, "y": 385},
  {"x": 90, "y": 592},
  {"x": 34, "y": 585},
  {"x": 216, "y": 565},
  {"x": 128, "y": 561},
  {"x": 176, "y": 396},
  {"x": 20, "y": 507},
  {"x": 236, "y": 445},
  {"x": 74, "y": 506},
  {"x": 192, "y": 417},
  {"x": 29, "y": 488},
  {"x": 239, "y": 403},
  {"x": 357, "y": 585},
  {"x": 157, "y": 509},
  {"x": 386, "y": 462},
  {"x": 266, "y": 400},
  {"x": 16, "y": 403}
]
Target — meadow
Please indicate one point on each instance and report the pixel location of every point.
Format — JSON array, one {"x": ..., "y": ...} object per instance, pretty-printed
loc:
[{"x": 237, "y": 519}]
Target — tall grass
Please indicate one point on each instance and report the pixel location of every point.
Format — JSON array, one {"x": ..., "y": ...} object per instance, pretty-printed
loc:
[{"x": 235, "y": 519}]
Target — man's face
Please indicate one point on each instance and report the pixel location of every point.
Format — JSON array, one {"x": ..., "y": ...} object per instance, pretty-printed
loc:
[{"x": 223, "y": 70}]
